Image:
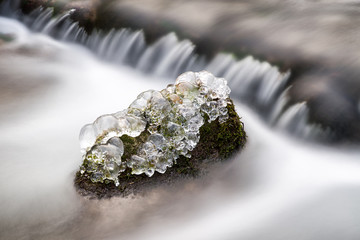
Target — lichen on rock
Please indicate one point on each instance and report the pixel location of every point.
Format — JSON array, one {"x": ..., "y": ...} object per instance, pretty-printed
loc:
[{"x": 160, "y": 128}]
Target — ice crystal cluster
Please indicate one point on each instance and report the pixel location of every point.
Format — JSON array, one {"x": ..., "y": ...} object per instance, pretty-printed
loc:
[{"x": 172, "y": 117}]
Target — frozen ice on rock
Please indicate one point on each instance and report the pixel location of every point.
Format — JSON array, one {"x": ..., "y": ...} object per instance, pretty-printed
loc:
[
  {"x": 136, "y": 125},
  {"x": 171, "y": 118},
  {"x": 169, "y": 90},
  {"x": 87, "y": 137},
  {"x": 137, "y": 164},
  {"x": 187, "y": 90},
  {"x": 105, "y": 123},
  {"x": 103, "y": 162},
  {"x": 205, "y": 78},
  {"x": 158, "y": 140},
  {"x": 121, "y": 113},
  {"x": 117, "y": 143},
  {"x": 187, "y": 77}
]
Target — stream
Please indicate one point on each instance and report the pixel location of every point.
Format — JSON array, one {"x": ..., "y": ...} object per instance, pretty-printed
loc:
[{"x": 286, "y": 184}]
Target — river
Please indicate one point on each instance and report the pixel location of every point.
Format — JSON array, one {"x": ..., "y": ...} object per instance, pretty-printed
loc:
[{"x": 286, "y": 184}]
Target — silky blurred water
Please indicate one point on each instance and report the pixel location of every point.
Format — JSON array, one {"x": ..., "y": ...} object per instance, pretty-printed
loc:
[{"x": 278, "y": 187}]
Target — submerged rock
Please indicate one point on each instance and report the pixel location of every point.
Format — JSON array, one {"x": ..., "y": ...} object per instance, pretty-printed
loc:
[
  {"x": 4, "y": 38},
  {"x": 162, "y": 135}
]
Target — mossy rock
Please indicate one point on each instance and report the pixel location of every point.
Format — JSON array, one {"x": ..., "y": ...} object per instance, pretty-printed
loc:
[
  {"x": 217, "y": 143},
  {"x": 6, "y": 37}
]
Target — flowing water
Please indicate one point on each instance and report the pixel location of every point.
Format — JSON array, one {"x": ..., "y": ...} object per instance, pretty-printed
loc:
[{"x": 55, "y": 78}]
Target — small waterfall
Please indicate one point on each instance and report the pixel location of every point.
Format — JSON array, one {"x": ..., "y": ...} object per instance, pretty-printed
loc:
[
  {"x": 42, "y": 19},
  {"x": 259, "y": 84},
  {"x": 295, "y": 119},
  {"x": 168, "y": 57},
  {"x": 53, "y": 22},
  {"x": 10, "y": 8},
  {"x": 253, "y": 81},
  {"x": 118, "y": 47},
  {"x": 279, "y": 106}
]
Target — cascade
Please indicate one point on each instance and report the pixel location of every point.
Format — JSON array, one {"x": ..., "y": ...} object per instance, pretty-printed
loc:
[{"x": 258, "y": 83}]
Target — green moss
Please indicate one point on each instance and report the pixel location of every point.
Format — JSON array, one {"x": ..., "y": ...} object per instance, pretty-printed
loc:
[
  {"x": 222, "y": 139},
  {"x": 231, "y": 136},
  {"x": 132, "y": 144},
  {"x": 6, "y": 37}
]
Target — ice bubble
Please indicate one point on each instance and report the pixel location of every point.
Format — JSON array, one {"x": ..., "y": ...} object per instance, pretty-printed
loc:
[
  {"x": 105, "y": 123},
  {"x": 87, "y": 137},
  {"x": 158, "y": 140},
  {"x": 120, "y": 114},
  {"x": 108, "y": 152},
  {"x": 170, "y": 89},
  {"x": 161, "y": 166},
  {"x": 187, "y": 77},
  {"x": 187, "y": 90},
  {"x": 176, "y": 99},
  {"x": 136, "y": 125},
  {"x": 117, "y": 143},
  {"x": 205, "y": 78}
]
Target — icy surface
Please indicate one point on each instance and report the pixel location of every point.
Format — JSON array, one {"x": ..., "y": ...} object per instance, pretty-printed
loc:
[{"x": 172, "y": 116}]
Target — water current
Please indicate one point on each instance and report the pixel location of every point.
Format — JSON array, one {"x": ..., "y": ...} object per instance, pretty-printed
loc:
[{"x": 286, "y": 184}]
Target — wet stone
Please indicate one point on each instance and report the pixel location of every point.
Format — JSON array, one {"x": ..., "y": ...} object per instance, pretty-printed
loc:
[{"x": 183, "y": 124}]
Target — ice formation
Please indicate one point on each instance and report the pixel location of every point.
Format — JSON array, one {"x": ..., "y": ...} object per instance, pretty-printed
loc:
[{"x": 172, "y": 117}]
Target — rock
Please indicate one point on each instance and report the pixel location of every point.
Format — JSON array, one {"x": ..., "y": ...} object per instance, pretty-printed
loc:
[
  {"x": 162, "y": 137},
  {"x": 84, "y": 10},
  {"x": 29, "y": 5},
  {"x": 4, "y": 38}
]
